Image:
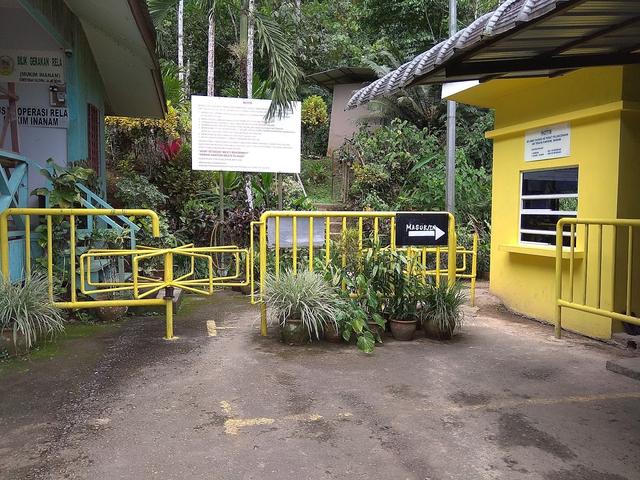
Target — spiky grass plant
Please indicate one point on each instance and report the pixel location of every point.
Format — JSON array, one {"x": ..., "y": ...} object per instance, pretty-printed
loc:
[
  {"x": 442, "y": 307},
  {"x": 305, "y": 296},
  {"x": 26, "y": 311}
]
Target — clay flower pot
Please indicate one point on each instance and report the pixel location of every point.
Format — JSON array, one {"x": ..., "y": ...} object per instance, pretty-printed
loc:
[{"x": 403, "y": 329}]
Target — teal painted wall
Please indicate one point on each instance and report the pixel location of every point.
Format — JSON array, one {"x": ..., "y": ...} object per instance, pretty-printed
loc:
[{"x": 84, "y": 84}]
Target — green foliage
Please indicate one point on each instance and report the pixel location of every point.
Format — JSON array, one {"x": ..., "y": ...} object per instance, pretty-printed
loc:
[
  {"x": 402, "y": 168},
  {"x": 63, "y": 192},
  {"x": 293, "y": 197},
  {"x": 27, "y": 312},
  {"x": 283, "y": 71},
  {"x": 197, "y": 220},
  {"x": 352, "y": 321},
  {"x": 314, "y": 112},
  {"x": 305, "y": 296},
  {"x": 135, "y": 191},
  {"x": 180, "y": 183},
  {"x": 443, "y": 308},
  {"x": 315, "y": 171}
]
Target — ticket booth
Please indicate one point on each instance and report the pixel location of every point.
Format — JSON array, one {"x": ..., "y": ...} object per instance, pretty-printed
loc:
[
  {"x": 563, "y": 147},
  {"x": 563, "y": 77}
]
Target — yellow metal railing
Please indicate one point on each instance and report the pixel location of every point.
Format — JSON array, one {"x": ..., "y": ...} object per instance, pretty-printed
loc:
[
  {"x": 141, "y": 287},
  {"x": 601, "y": 298},
  {"x": 375, "y": 228}
]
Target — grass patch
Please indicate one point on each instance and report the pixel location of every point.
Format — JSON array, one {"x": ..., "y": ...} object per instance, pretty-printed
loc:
[
  {"x": 316, "y": 177},
  {"x": 49, "y": 350}
]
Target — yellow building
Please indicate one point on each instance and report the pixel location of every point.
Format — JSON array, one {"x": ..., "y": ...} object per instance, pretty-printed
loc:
[
  {"x": 598, "y": 176},
  {"x": 563, "y": 78}
]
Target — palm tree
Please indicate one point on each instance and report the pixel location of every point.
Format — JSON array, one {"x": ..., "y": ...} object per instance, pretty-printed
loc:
[{"x": 272, "y": 45}]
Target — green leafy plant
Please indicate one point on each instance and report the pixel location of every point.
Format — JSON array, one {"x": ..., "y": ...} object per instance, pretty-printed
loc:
[
  {"x": 63, "y": 192},
  {"x": 135, "y": 191},
  {"x": 306, "y": 296},
  {"x": 352, "y": 321},
  {"x": 314, "y": 111},
  {"x": 27, "y": 312},
  {"x": 442, "y": 308}
]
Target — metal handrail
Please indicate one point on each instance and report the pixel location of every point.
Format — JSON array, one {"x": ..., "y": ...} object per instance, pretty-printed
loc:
[{"x": 598, "y": 308}]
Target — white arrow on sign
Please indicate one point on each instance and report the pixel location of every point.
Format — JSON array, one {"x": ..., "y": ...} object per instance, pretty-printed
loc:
[{"x": 434, "y": 231}]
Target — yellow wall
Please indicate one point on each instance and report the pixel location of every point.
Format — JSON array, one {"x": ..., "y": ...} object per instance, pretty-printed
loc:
[{"x": 605, "y": 145}]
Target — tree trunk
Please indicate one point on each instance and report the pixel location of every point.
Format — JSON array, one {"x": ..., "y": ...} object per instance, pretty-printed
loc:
[
  {"x": 299, "y": 8},
  {"x": 211, "y": 57},
  {"x": 246, "y": 72},
  {"x": 250, "y": 48},
  {"x": 181, "y": 71}
]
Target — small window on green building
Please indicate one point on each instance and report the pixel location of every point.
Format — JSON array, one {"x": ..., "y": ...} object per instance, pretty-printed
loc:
[{"x": 546, "y": 197}]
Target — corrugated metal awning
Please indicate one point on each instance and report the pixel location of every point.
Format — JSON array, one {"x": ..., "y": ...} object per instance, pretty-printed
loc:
[
  {"x": 342, "y": 75},
  {"x": 523, "y": 38}
]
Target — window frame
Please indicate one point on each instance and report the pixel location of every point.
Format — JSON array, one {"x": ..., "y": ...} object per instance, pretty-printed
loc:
[{"x": 537, "y": 211}]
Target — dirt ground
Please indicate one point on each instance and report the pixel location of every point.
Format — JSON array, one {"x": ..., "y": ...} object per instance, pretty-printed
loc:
[{"x": 503, "y": 400}]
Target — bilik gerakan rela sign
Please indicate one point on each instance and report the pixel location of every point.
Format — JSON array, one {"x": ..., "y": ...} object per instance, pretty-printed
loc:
[{"x": 422, "y": 229}]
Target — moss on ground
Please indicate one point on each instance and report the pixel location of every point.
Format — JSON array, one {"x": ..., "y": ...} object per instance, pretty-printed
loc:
[{"x": 49, "y": 350}]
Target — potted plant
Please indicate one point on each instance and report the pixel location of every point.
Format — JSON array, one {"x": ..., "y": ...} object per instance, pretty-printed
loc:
[
  {"x": 303, "y": 304},
  {"x": 353, "y": 322},
  {"x": 442, "y": 310},
  {"x": 403, "y": 298},
  {"x": 26, "y": 312}
]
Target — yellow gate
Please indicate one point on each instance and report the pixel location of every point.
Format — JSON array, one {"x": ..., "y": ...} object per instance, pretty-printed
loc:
[
  {"x": 314, "y": 230},
  {"x": 142, "y": 288},
  {"x": 602, "y": 276}
]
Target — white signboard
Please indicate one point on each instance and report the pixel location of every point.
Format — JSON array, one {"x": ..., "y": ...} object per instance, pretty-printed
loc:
[
  {"x": 38, "y": 115},
  {"x": 231, "y": 134},
  {"x": 548, "y": 142},
  {"x": 31, "y": 66}
]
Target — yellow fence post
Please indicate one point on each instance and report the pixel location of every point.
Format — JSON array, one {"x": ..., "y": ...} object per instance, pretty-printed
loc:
[
  {"x": 558, "y": 325},
  {"x": 168, "y": 298},
  {"x": 263, "y": 272},
  {"x": 474, "y": 269},
  {"x": 451, "y": 254}
]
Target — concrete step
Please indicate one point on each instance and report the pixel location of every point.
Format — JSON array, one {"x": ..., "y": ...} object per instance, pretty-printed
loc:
[{"x": 629, "y": 367}]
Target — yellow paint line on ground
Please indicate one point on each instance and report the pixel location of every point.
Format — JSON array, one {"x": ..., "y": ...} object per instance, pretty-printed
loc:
[
  {"x": 542, "y": 401},
  {"x": 233, "y": 425},
  {"x": 212, "y": 330}
]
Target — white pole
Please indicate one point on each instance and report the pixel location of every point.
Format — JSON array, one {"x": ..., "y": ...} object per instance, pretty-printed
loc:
[{"x": 451, "y": 125}]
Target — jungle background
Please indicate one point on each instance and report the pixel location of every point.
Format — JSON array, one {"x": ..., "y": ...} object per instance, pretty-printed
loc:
[{"x": 399, "y": 165}]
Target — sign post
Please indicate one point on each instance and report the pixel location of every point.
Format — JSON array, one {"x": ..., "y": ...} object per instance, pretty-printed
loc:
[{"x": 422, "y": 229}]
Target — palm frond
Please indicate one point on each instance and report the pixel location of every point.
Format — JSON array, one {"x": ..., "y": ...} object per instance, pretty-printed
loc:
[
  {"x": 283, "y": 71},
  {"x": 159, "y": 9},
  {"x": 172, "y": 87}
]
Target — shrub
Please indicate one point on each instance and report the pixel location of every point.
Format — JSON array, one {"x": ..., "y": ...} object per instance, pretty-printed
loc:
[
  {"x": 135, "y": 191},
  {"x": 27, "y": 312},
  {"x": 293, "y": 197},
  {"x": 315, "y": 171},
  {"x": 305, "y": 296},
  {"x": 314, "y": 111},
  {"x": 315, "y": 122},
  {"x": 442, "y": 309}
]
